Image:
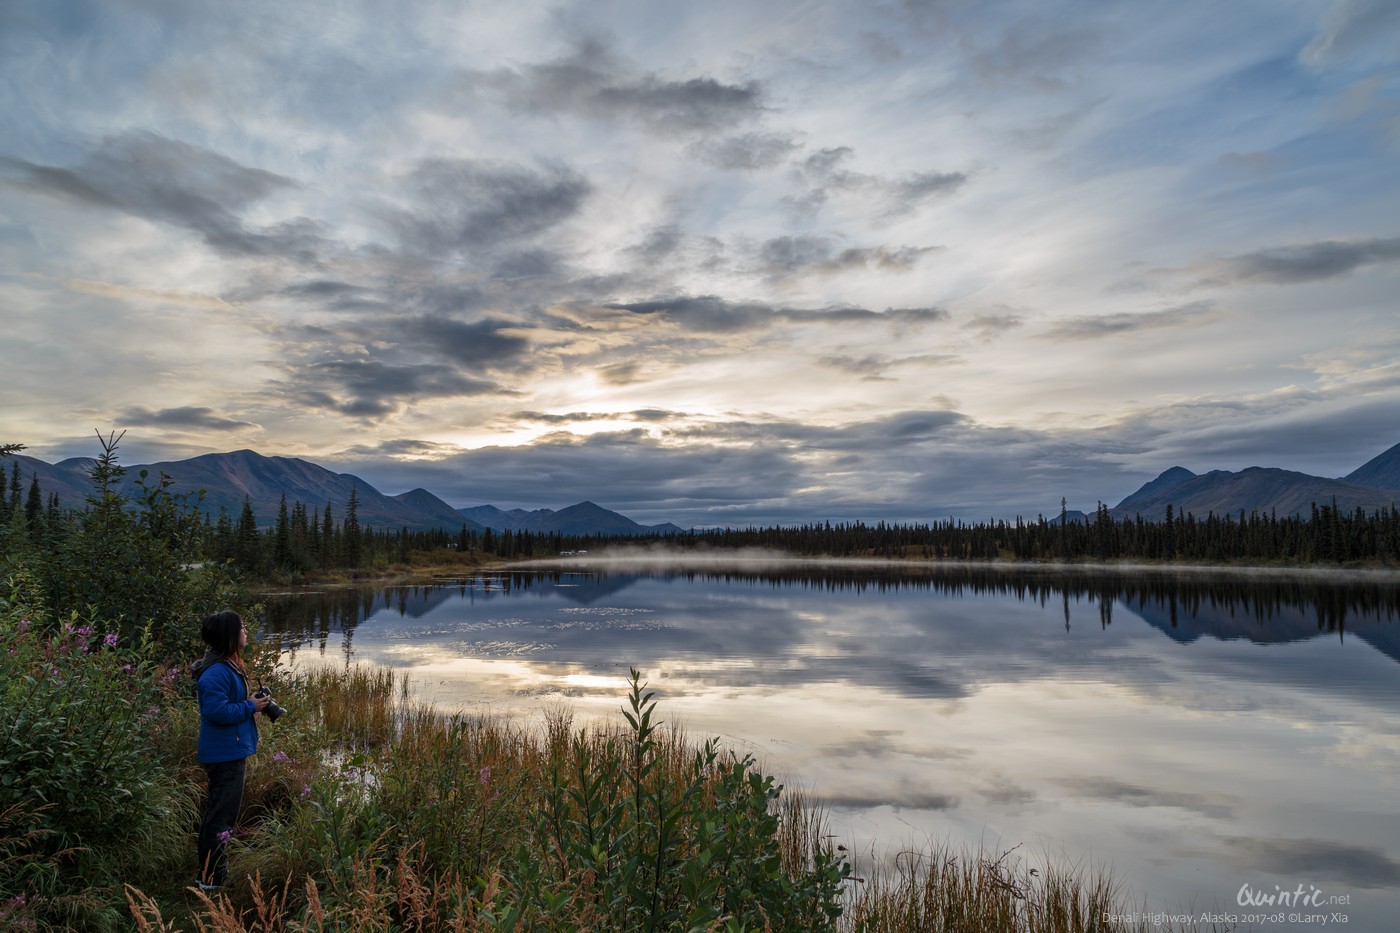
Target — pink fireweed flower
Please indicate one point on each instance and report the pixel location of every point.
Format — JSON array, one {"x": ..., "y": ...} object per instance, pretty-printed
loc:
[
  {"x": 111, "y": 640},
  {"x": 485, "y": 776}
]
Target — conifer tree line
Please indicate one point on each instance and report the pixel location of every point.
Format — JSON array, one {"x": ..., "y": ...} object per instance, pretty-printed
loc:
[{"x": 306, "y": 539}]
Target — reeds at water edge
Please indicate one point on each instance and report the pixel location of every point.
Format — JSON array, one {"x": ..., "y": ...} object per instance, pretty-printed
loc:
[{"x": 369, "y": 812}]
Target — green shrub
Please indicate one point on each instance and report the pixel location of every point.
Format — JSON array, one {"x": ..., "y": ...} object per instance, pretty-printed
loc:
[{"x": 79, "y": 783}]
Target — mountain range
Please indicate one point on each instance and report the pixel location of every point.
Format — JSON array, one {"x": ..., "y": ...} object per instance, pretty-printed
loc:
[
  {"x": 1374, "y": 485},
  {"x": 227, "y": 479}
]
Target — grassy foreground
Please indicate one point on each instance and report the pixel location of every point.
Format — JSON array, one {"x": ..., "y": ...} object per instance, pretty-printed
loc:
[{"x": 364, "y": 812}]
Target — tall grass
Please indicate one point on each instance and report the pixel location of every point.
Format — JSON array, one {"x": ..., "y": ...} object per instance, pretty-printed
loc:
[
  {"x": 369, "y": 813},
  {"x": 366, "y": 812}
]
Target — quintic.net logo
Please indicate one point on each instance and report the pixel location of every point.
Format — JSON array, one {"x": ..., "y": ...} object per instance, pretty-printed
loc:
[{"x": 1308, "y": 895}]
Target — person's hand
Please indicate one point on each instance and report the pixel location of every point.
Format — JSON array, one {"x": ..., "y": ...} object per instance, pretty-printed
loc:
[{"x": 260, "y": 702}]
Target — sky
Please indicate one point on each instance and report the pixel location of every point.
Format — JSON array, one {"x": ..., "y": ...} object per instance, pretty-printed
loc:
[{"x": 718, "y": 263}]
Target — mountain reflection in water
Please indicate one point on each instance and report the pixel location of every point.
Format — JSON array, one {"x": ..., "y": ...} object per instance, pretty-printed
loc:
[{"x": 1196, "y": 731}]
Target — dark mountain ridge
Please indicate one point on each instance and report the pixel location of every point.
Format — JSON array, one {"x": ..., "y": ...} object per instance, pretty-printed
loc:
[
  {"x": 1382, "y": 471},
  {"x": 1265, "y": 490},
  {"x": 228, "y": 479}
]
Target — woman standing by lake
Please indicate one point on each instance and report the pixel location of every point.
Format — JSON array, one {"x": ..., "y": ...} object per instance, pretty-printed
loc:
[{"x": 228, "y": 734}]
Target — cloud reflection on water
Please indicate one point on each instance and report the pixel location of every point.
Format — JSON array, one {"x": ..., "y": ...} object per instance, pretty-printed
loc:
[{"x": 1196, "y": 732}]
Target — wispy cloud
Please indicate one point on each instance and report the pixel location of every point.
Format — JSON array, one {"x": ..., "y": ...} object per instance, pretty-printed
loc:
[
  {"x": 592, "y": 81},
  {"x": 1304, "y": 262},
  {"x": 1107, "y": 325},
  {"x": 186, "y": 417}
]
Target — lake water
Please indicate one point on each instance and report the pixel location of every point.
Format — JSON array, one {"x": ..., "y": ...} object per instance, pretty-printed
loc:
[{"x": 1201, "y": 734}]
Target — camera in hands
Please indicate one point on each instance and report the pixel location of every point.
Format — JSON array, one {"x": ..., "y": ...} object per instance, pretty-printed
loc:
[{"x": 272, "y": 711}]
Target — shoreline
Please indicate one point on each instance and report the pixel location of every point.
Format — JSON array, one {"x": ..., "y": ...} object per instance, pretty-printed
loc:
[{"x": 760, "y": 560}]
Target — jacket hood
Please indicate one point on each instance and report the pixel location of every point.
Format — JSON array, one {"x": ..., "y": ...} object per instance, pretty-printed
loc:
[{"x": 202, "y": 665}]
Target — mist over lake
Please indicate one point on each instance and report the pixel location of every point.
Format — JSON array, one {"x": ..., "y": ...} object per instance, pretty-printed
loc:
[{"x": 1197, "y": 732}]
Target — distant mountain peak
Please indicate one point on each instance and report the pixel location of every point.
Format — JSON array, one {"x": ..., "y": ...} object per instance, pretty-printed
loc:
[{"x": 1382, "y": 470}]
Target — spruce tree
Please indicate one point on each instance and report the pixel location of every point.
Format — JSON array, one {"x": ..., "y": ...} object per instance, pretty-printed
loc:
[
  {"x": 351, "y": 532},
  {"x": 247, "y": 555}
]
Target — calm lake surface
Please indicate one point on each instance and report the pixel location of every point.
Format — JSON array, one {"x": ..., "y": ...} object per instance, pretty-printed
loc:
[{"x": 1197, "y": 732}]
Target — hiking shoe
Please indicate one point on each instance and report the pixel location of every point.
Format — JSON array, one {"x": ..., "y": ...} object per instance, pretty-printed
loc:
[{"x": 205, "y": 886}]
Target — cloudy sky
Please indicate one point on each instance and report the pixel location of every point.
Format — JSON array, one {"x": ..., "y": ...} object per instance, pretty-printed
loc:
[{"x": 719, "y": 262}]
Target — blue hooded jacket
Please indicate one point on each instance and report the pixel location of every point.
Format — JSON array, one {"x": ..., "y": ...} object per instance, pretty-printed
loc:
[{"x": 227, "y": 731}]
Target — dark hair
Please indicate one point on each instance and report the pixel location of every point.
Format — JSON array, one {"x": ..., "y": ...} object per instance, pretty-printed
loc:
[{"x": 220, "y": 631}]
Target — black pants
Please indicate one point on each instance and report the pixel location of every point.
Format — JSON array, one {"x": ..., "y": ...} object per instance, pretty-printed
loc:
[{"x": 220, "y": 813}]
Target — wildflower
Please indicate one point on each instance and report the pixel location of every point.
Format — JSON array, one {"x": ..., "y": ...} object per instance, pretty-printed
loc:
[
  {"x": 485, "y": 776},
  {"x": 23, "y": 625},
  {"x": 305, "y": 791},
  {"x": 170, "y": 675},
  {"x": 129, "y": 668},
  {"x": 226, "y": 835},
  {"x": 281, "y": 758},
  {"x": 153, "y": 711},
  {"x": 83, "y": 632},
  {"x": 111, "y": 640}
]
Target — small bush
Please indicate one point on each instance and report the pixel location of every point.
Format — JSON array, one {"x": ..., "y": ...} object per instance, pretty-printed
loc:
[{"x": 79, "y": 786}]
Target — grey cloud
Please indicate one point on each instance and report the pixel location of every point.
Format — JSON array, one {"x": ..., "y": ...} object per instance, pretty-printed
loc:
[
  {"x": 1088, "y": 328},
  {"x": 593, "y": 83},
  {"x": 696, "y": 104},
  {"x": 666, "y": 247},
  {"x": 807, "y": 205},
  {"x": 186, "y": 417},
  {"x": 705, "y": 313},
  {"x": 823, "y": 165},
  {"x": 792, "y": 255},
  {"x": 712, "y": 314},
  {"x": 746, "y": 152},
  {"x": 339, "y": 296},
  {"x": 898, "y": 430},
  {"x": 1307, "y": 262},
  {"x": 988, "y": 326},
  {"x": 401, "y": 447},
  {"x": 465, "y": 205},
  {"x": 916, "y": 188},
  {"x": 652, "y": 415},
  {"x": 1214, "y": 806},
  {"x": 156, "y": 178},
  {"x": 372, "y": 389},
  {"x": 621, "y": 374},
  {"x": 479, "y": 343},
  {"x": 841, "y": 315},
  {"x": 823, "y": 171},
  {"x": 1317, "y": 860},
  {"x": 659, "y": 243},
  {"x": 872, "y": 367}
]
